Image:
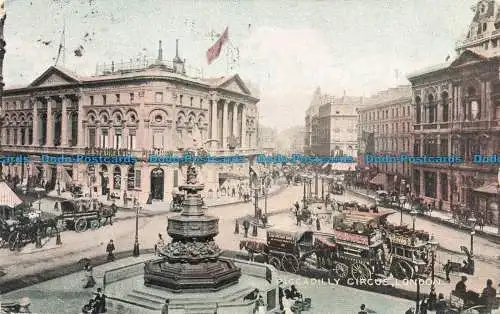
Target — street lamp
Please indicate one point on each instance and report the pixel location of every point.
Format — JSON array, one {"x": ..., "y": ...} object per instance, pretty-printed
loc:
[
  {"x": 433, "y": 247},
  {"x": 322, "y": 187},
  {"x": 472, "y": 233},
  {"x": 256, "y": 208},
  {"x": 413, "y": 214},
  {"x": 266, "y": 190},
  {"x": 136, "y": 243},
  {"x": 304, "y": 194}
]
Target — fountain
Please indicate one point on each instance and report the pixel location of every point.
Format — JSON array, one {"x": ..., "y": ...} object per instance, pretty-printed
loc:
[
  {"x": 191, "y": 272},
  {"x": 191, "y": 261}
]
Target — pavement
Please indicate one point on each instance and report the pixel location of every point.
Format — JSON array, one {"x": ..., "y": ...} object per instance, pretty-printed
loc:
[
  {"x": 442, "y": 217},
  {"x": 163, "y": 205},
  {"x": 67, "y": 295}
]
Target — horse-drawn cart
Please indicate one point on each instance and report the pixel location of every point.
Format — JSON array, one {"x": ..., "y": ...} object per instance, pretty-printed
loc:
[
  {"x": 81, "y": 214},
  {"x": 24, "y": 230}
]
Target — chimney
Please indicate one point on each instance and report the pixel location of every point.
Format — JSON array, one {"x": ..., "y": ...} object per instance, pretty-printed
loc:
[{"x": 160, "y": 51}]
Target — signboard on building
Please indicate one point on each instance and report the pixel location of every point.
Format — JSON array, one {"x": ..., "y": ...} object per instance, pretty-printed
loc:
[{"x": 351, "y": 237}]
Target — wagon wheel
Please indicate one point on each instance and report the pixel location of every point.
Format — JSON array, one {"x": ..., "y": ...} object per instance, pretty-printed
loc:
[
  {"x": 95, "y": 224},
  {"x": 275, "y": 262},
  {"x": 360, "y": 271},
  {"x": 81, "y": 225},
  {"x": 14, "y": 240},
  {"x": 401, "y": 270},
  {"x": 341, "y": 270},
  {"x": 290, "y": 263}
]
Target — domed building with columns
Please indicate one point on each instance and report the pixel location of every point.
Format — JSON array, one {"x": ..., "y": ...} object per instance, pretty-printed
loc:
[{"x": 139, "y": 108}]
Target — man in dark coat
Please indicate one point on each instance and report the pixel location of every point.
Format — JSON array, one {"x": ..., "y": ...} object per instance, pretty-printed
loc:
[
  {"x": 441, "y": 305},
  {"x": 110, "y": 248},
  {"x": 246, "y": 226},
  {"x": 100, "y": 299},
  {"x": 489, "y": 296},
  {"x": 461, "y": 288},
  {"x": 447, "y": 270}
]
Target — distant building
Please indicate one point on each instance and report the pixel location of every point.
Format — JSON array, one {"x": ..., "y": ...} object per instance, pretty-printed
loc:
[
  {"x": 385, "y": 127},
  {"x": 267, "y": 139},
  {"x": 291, "y": 140},
  {"x": 331, "y": 125}
]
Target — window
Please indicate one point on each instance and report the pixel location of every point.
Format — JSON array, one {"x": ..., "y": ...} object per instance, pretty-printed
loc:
[
  {"x": 191, "y": 101},
  {"x": 180, "y": 100},
  {"x": 104, "y": 138},
  {"x": 131, "y": 140},
  {"x": 137, "y": 179},
  {"x": 337, "y": 112},
  {"x": 30, "y": 136},
  {"x": 158, "y": 139},
  {"x": 104, "y": 99},
  {"x": 444, "y": 147},
  {"x": 8, "y": 137},
  {"x": 158, "y": 97},
  {"x": 117, "y": 98},
  {"x": 176, "y": 178},
  {"x": 23, "y": 136},
  {"x": 118, "y": 139},
  {"x": 131, "y": 97},
  {"x": 92, "y": 140},
  {"x": 117, "y": 178},
  {"x": 91, "y": 100},
  {"x": 130, "y": 178},
  {"x": 201, "y": 103}
]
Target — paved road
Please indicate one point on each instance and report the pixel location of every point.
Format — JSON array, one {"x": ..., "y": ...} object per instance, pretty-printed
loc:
[
  {"x": 93, "y": 242},
  {"x": 66, "y": 295},
  {"x": 447, "y": 237}
]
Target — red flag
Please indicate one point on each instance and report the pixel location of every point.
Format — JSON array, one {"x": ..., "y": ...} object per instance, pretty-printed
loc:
[{"x": 214, "y": 51}]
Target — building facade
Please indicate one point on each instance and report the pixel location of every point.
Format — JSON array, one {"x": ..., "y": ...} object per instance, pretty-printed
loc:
[
  {"x": 456, "y": 111},
  {"x": 129, "y": 109},
  {"x": 385, "y": 127},
  {"x": 331, "y": 125}
]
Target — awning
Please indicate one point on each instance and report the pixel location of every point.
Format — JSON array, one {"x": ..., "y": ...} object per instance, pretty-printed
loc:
[
  {"x": 343, "y": 166},
  {"x": 488, "y": 189},
  {"x": 380, "y": 179},
  {"x": 7, "y": 197}
]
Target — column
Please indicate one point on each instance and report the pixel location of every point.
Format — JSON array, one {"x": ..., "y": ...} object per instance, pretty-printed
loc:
[
  {"x": 488, "y": 108},
  {"x": 214, "y": 123},
  {"x": 111, "y": 137},
  {"x": 225, "y": 129},
  {"x": 19, "y": 136},
  {"x": 36, "y": 139},
  {"x": 81, "y": 130},
  {"x": 421, "y": 183},
  {"x": 235, "y": 120},
  {"x": 243, "y": 126},
  {"x": 50, "y": 124},
  {"x": 26, "y": 136},
  {"x": 438, "y": 185},
  {"x": 64, "y": 122}
]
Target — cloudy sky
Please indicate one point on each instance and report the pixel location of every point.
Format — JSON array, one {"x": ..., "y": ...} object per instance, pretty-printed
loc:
[{"x": 286, "y": 48}]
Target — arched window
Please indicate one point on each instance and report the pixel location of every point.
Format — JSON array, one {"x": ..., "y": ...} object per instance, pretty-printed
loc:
[
  {"x": 117, "y": 178},
  {"x": 130, "y": 178},
  {"x": 445, "y": 106},
  {"x": 432, "y": 109}
]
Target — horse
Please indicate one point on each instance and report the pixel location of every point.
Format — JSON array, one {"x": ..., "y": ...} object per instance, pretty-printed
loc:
[{"x": 254, "y": 247}]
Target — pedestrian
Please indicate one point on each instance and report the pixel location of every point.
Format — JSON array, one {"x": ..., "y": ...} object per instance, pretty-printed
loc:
[
  {"x": 164, "y": 310},
  {"x": 125, "y": 200},
  {"x": 362, "y": 309},
  {"x": 447, "y": 270},
  {"x": 100, "y": 299},
  {"x": 110, "y": 248},
  {"x": 441, "y": 305},
  {"x": 89, "y": 277},
  {"x": 246, "y": 226},
  {"x": 489, "y": 296},
  {"x": 424, "y": 306},
  {"x": 431, "y": 303},
  {"x": 160, "y": 243},
  {"x": 318, "y": 224}
]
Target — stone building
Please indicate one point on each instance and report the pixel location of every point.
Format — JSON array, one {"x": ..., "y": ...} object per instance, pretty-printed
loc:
[
  {"x": 385, "y": 127},
  {"x": 456, "y": 111},
  {"x": 128, "y": 109},
  {"x": 331, "y": 125}
]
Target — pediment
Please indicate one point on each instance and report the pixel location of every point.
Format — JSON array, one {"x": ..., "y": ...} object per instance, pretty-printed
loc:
[
  {"x": 467, "y": 57},
  {"x": 235, "y": 84},
  {"x": 54, "y": 76}
]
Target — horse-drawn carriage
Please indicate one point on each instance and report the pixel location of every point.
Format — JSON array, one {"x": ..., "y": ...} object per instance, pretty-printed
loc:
[
  {"x": 177, "y": 200},
  {"x": 84, "y": 213},
  {"x": 23, "y": 230},
  {"x": 337, "y": 188}
]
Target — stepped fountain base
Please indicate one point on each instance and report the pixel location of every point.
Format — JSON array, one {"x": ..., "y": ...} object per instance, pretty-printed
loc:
[{"x": 186, "y": 277}]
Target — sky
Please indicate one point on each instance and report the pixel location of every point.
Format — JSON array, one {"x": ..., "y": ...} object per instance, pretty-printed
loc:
[{"x": 286, "y": 48}]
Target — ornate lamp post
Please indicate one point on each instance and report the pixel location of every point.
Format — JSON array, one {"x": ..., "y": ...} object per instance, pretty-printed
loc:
[
  {"x": 137, "y": 208},
  {"x": 304, "y": 178},
  {"x": 472, "y": 233},
  {"x": 310, "y": 177},
  {"x": 401, "y": 202},
  {"x": 433, "y": 247},
  {"x": 256, "y": 210},
  {"x": 322, "y": 187}
]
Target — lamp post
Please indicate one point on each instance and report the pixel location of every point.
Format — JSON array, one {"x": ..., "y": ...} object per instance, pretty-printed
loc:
[
  {"x": 417, "y": 301},
  {"x": 136, "y": 242},
  {"x": 322, "y": 187},
  {"x": 401, "y": 203},
  {"x": 310, "y": 185},
  {"x": 472, "y": 233},
  {"x": 304, "y": 195},
  {"x": 266, "y": 190},
  {"x": 433, "y": 244},
  {"x": 413, "y": 214},
  {"x": 256, "y": 210}
]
